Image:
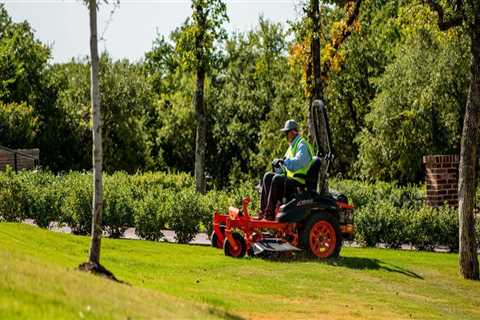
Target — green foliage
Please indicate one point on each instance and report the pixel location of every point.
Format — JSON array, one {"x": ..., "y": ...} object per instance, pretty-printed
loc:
[
  {"x": 185, "y": 215},
  {"x": 12, "y": 201},
  {"x": 43, "y": 194},
  {"x": 253, "y": 100},
  {"x": 149, "y": 181},
  {"x": 126, "y": 106},
  {"x": 362, "y": 193},
  {"x": 76, "y": 207},
  {"x": 386, "y": 213},
  {"x": 119, "y": 204},
  {"x": 197, "y": 36},
  {"x": 423, "y": 227},
  {"x": 213, "y": 201},
  {"x": 153, "y": 202},
  {"x": 23, "y": 61},
  {"x": 152, "y": 215},
  {"x": 18, "y": 125},
  {"x": 477, "y": 229},
  {"x": 381, "y": 222},
  {"x": 398, "y": 93},
  {"x": 418, "y": 107},
  {"x": 348, "y": 93}
]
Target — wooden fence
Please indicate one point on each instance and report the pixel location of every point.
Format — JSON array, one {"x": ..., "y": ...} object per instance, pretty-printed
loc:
[{"x": 19, "y": 159}]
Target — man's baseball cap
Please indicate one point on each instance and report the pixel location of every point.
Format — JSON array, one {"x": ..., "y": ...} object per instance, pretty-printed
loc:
[{"x": 290, "y": 125}]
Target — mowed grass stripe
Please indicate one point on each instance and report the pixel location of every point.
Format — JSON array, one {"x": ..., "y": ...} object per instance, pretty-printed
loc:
[{"x": 363, "y": 284}]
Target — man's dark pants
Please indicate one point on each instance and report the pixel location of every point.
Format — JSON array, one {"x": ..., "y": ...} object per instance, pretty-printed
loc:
[{"x": 274, "y": 188}]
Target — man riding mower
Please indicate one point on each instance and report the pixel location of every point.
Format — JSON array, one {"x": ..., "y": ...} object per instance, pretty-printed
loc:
[
  {"x": 293, "y": 216},
  {"x": 289, "y": 173}
]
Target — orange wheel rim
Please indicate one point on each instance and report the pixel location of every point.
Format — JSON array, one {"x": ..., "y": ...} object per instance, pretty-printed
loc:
[
  {"x": 322, "y": 239},
  {"x": 236, "y": 253}
]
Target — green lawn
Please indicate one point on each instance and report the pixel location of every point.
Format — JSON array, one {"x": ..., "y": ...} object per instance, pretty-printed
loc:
[{"x": 38, "y": 280}]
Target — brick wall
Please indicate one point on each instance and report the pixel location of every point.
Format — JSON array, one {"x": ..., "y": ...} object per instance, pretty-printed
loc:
[
  {"x": 442, "y": 179},
  {"x": 8, "y": 158}
]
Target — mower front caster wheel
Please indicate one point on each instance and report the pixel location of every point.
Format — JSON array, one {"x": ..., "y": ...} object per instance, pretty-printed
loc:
[
  {"x": 215, "y": 241},
  {"x": 241, "y": 246}
]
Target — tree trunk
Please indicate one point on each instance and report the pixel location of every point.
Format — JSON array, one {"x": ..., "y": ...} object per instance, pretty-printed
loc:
[
  {"x": 314, "y": 82},
  {"x": 201, "y": 134},
  {"x": 317, "y": 89},
  {"x": 97, "y": 141},
  {"x": 315, "y": 49},
  {"x": 468, "y": 259}
]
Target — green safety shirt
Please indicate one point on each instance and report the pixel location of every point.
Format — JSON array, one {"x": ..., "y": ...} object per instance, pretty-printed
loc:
[{"x": 299, "y": 152}]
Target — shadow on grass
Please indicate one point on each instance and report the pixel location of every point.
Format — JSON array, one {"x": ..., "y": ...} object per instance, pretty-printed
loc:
[
  {"x": 357, "y": 263},
  {"x": 224, "y": 314}
]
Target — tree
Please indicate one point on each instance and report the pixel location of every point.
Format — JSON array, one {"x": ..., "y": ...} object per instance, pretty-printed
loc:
[
  {"x": 97, "y": 140},
  {"x": 93, "y": 264},
  {"x": 198, "y": 45},
  {"x": 248, "y": 92},
  {"x": 418, "y": 105},
  {"x": 127, "y": 100},
  {"x": 23, "y": 62},
  {"x": 466, "y": 14},
  {"x": 317, "y": 70},
  {"x": 18, "y": 125},
  {"x": 348, "y": 93}
]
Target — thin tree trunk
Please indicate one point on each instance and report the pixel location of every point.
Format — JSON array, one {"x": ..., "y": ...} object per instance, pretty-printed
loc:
[
  {"x": 314, "y": 82},
  {"x": 199, "y": 102},
  {"x": 315, "y": 48},
  {"x": 201, "y": 134},
  {"x": 468, "y": 259},
  {"x": 317, "y": 90},
  {"x": 97, "y": 141}
]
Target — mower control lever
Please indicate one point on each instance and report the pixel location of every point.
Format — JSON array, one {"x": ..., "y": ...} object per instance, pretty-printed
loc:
[{"x": 277, "y": 164}]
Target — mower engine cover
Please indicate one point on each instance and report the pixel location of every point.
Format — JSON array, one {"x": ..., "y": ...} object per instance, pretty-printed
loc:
[
  {"x": 295, "y": 210},
  {"x": 300, "y": 207}
]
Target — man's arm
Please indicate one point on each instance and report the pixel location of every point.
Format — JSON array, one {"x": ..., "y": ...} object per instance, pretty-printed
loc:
[{"x": 301, "y": 159}]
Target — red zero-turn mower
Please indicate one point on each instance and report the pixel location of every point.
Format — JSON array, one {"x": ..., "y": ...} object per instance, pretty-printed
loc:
[{"x": 310, "y": 221}]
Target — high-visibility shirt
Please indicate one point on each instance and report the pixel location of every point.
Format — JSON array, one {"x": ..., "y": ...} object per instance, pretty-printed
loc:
[{"x": 298, "y": 159}]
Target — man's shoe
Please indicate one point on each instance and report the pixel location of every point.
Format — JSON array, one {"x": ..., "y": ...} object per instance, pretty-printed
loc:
[
  {"x": 270, "y": 216},
  {"x": 261, "y": 215}
]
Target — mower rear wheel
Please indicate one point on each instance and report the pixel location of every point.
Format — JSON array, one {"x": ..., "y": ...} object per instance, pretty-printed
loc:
[
  {"x": 241, "y": 246},
  {"x": 216, "y": 243},
  {"x": 321, "y": 236}
]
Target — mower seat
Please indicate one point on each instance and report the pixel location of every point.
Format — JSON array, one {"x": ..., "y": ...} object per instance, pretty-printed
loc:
[{"x": 311, "y": 180}]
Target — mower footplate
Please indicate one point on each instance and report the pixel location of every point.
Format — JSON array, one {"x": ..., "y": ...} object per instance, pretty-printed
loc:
[{"x": 273, "y": 245}]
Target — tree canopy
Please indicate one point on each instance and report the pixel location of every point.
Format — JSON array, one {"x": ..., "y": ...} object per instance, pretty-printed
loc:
[{"x": 395, "y": 91}]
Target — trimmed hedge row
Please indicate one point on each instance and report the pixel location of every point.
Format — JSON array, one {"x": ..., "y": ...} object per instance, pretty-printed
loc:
[
  {"x": 395, "y": 215},
  {"x": 150, "y": 202},
  {"x": 423, "y": 227}
]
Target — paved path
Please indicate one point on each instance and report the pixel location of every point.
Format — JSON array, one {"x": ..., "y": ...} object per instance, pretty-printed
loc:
[{"x": 200, "y": 239}]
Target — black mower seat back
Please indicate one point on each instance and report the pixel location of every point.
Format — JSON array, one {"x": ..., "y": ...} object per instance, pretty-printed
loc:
[
  {"x": 299, "y": 205},
  {"x": 311, "y": 179}
]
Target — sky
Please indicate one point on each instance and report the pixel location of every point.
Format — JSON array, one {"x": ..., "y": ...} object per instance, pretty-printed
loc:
[{"x": 131, "y": 29}]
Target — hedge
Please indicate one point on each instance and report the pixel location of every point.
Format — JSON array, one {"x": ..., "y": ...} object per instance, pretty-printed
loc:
[
  {"x": 152, "y": 202},
  {"x": 393, "y": 215}
]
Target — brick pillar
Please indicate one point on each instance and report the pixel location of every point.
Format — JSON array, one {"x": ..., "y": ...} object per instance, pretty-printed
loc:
[{"x": 442, "y": 179}]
